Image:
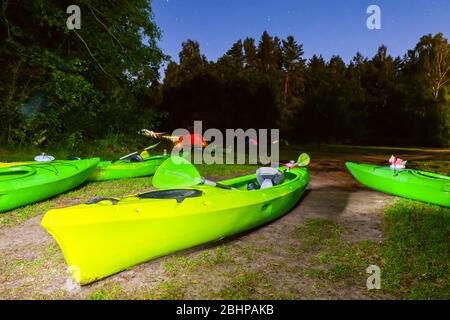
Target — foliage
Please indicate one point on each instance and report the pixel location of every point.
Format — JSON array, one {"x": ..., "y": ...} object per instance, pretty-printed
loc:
[
  {"x": 61, "y": 86},
  {"x": 382, "y": 100},
  {"x": 92, "y": 81}
]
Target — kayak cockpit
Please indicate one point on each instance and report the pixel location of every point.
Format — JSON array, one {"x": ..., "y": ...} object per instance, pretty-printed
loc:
[
  {"x": 243, "y": 183},
  {"x": 11, "y": 173},
  {"x": 178, "y": 194}
]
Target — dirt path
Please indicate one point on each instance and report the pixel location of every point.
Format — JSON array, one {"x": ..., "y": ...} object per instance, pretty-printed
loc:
[{"x": 265, "y": 263}]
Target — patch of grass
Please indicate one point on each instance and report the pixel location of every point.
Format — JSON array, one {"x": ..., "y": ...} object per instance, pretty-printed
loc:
[
  {"x": 106, "y": 294},
  {"x": 170, "y": 268},
  {"x": 221, "y": 255},
  {"x": 186, "y": 263},
  {"x": 226, "y": 170},
  {"x": 34, "y": 267},
  {"x": 313, "y": 272},
  {"x": 414, "y": 258},
  {"x": 290, "y": 295},
  {"x": 249, "y": 252},
  {"x": 317, "y": 232},
  {"x": 167, "y": 290},
  {"x": 341, "y": 262},
  {"x": 242, "y": 287},
  {"x": 416, "y": 250}
]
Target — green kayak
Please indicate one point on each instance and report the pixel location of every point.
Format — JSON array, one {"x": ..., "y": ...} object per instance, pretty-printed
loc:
[
  {"x": 28, "y": 183},
  {"x": 413, "y": 184},
  {"x": 108, "y": 235},
  {"x": 122, "y": 169}
]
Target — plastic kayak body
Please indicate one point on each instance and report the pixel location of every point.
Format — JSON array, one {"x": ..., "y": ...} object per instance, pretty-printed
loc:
[
  {"x": 413, "y": 184},
  {"x": 122, "y": 169},
  {"x": 31, "y": 182},
  {"x": 108, "y": 236}
]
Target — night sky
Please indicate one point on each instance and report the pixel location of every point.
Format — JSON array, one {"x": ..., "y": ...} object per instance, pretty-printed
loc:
[{"x": 322, "y": 26}]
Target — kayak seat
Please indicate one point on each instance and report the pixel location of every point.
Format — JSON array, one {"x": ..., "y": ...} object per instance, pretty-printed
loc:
[
  {"x": 268, "y": 177},
  {"x": 177, "y": 194},
  {"x": 136, "y": 158}
]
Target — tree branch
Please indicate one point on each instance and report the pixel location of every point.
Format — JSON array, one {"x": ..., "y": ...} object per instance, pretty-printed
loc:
[
  {"x": 104, "y": 26},
  {"x": 89, "y": 51}
]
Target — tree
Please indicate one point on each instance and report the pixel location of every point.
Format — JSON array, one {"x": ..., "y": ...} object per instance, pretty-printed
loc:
[
  {"x": 292, "y": 63},
  {"x": 382, "y": 100},
  {"x": 269, "y": 54},
  {"x": 96, "y": 72},
  {"x": 433, "y": 54},
  {"x": 250, "y": 55}
]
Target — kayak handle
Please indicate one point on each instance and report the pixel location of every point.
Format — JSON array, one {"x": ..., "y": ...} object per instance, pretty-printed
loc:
[{"x": 97, "y": 200}]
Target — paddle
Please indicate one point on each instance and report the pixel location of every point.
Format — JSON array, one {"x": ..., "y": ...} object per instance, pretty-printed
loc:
[
  {"x": 302, "y": 161},
  {"x": 177, "y": 172},
  {"x": 138, "y": 152}
]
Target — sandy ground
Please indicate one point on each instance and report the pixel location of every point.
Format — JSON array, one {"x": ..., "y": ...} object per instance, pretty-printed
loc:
[{"x": 32, "y": 266}]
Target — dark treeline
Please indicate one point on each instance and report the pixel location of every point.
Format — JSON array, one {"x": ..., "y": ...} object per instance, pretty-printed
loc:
[
  {"x": 267, "y": 83},
  {"x": 68, "y": 87}
]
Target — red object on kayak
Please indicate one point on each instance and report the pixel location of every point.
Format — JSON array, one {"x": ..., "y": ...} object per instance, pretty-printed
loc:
[{"x": 194, "y": 139}]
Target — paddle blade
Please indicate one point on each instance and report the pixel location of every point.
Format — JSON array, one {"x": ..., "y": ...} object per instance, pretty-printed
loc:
[
  {"x": 176, "y": 172},
  {"x": 303, "y": 160},
  {"x": 153, "y": 146}
]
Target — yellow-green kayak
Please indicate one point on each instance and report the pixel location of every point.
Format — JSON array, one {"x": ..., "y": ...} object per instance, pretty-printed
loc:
[{"x": 107, "y": 235}]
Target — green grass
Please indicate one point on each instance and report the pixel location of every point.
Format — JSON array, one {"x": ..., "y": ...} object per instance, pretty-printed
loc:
[
  {"x": 106, "y": 294},
  {"x": 414, "y": 257},
  {"x": 167, "y": 290},
  {"x": 226, "y": 170},
  {"x": 417, "y": 251},
  {"x": 206, "y": 259},
  {"x": 242, "y": 286},
  {"x": 220, "y": 256},
  {"x": 332, "y": 259}
]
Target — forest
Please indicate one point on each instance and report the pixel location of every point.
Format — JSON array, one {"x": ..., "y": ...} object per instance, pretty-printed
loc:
[{"x": 70, "y": 87}]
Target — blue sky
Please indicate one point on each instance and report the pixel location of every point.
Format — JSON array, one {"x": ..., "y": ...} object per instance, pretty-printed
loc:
[{"x": 322, "y": 26}]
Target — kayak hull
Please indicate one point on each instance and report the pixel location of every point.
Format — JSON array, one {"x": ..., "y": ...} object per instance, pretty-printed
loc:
[
  {"x": 108, "y": 170},
  {"x": 102, "y": 239},
  {"x": 11, "y": 164},
  {"x": 32, "y": 182},
  {"x": 413, "y": 184}
]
